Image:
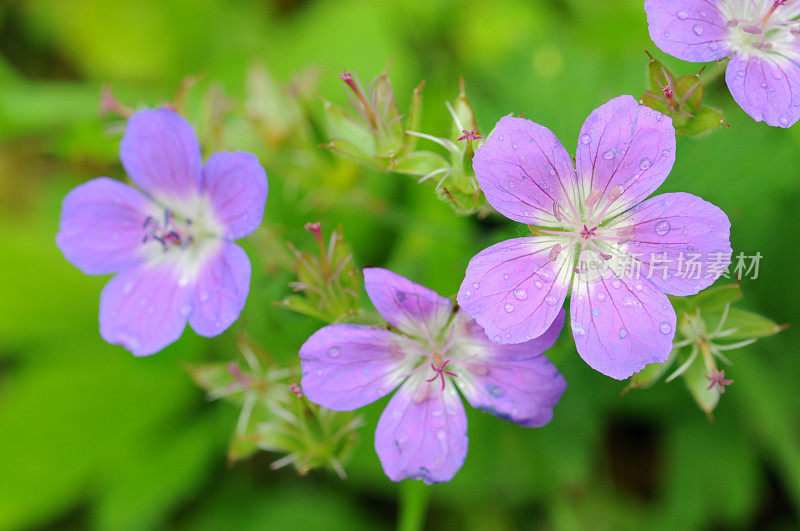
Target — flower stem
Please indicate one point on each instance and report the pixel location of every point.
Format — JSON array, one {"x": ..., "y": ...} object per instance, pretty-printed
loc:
[{"x": 413, "y": 505}]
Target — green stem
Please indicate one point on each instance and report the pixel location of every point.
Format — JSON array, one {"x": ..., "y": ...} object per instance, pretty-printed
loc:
[{"x": 414, "y": 497}]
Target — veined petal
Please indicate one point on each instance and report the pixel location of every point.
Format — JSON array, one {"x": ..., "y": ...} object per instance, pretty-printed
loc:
[
  {"x": 625, "y": 151},
  {"x": 220, "y": 290},
  {"x": 682, "y": 242},
  {"x": 346, "y": 366},
  {"x": 101, "y": 227},
  {"x": 515, "y": 289},
  {"x": 422, "y": 433},
  {"x": 620, "y": 325},
  {"x": 412, "y": 308},
  {"x": 767, "y": 86},
  {"x": 144, "y": 308},
  {"x": 691, "y": 30},
  {"x": 524, "y": 171},
  {"x": 513, "y": 382},
  {"x": 236, "y": 186},
  {"x": 161, "y": 154}
]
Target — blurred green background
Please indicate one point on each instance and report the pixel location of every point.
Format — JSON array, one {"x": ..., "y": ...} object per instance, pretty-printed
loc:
[{"x": 92, "y": 437}]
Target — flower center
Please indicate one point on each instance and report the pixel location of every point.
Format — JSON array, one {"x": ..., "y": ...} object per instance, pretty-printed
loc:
[
  {"x": 168, "y": 231},
  {"x": 761, "y": 31}
]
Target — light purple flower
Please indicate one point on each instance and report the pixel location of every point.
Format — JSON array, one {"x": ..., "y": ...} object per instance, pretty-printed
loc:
[
  {"x": 422, "y": 433},
  {"x": 169, "y": 243},
  {"x": 592, "y": 228},
  {"x": 763, "y": 74}
]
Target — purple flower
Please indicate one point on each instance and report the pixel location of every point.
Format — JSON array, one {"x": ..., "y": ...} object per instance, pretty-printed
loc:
[
  {"x": 761, "y": 36},
  {"x": 422, "y": 433},
  {"x": 592, "y": 229},
  {"x": 169, "y": 243}
]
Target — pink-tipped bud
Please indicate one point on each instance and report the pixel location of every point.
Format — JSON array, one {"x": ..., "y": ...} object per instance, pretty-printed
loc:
[
  {"x": 594, "y": 195},
  {"x": 346, "y": 76},
  {"x": 315, "y": 229},
  {"x": 555, "y": 251},
  {"x": 614, "y": 193},
  {"x": 296, "y": 390},
  {"x": 110, "y": 105}
]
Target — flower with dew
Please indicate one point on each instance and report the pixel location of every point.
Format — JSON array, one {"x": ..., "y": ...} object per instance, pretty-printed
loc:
[
  {"x": 592, "y": 228},
  {"x": 170, "y": 241},
  {"x": 432, "y": 350},
  {"x": 761, "y": 36}
]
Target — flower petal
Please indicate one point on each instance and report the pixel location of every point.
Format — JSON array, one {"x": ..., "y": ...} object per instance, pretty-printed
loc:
[
  {"x": 236, "y": 186},
  {"x": 524, "y": 170},
  {"x": 625, "y": 150},
  {"x": 513, "y": 382},
  {"x": 514, "y": 289},
  {"x": 161, "y": 154},
  {"x": 691, "y": 30},
  {"x": 620, "y": 326},
  {"x": 144, "y": 309},
  {"x": 682, "y": 242},
  {"x": 346, "y": 366},
  {"x": 412, "y": 308},
  {"x": 101, "y": 227},
  {"x": 767, "y": 88},
  {"x": 220, "y": 290},
  {"x": 422, "y": 433}
]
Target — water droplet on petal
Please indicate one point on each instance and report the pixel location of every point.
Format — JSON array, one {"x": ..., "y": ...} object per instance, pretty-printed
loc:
[
  {"x": 334, "y": 352},
  {"x": 520, "y": 294},
  {"x": 505, "y": 276},
  {"x": 662, "y": 227},
  {"x": 784, "y": 121},
  {"x": 494, "y": 390},
  {"x": 538, "y": 284},
  {"x": 496, "y": 339},
  {"x": 595, "y": 312},
  {"x": 514, "y": 146},
  {"x": 616, "y": 283},
  {"x": 683, "y": 15},
  {"x": 644, "y": 164},
  {"x": 550, "y": 300},
  {"x": 623, "y": 333},
  {"x": 585, "y": 139},
  {"x": 665, "y": 328},
  {"x": 509, "y": 307},
  {"x": 500, "y": 138},
  {"x": 475, "y": 285},
  {"x": 698, "y": 29},
  {"x": 608, "y": 155},
  {"x": 601, "y": 297}
]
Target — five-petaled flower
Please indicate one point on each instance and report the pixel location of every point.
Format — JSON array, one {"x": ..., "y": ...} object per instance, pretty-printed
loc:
[
  {"x": 171, "y": 242},
  {"x": 761, "y": 36},
  {"x": 587, "y": 221},
  {"x": 422, "y": 434}
]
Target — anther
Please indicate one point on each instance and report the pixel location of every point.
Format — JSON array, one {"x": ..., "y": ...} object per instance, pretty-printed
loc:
[
  {"x": 614, "y": 193},
  {"x": 752, "y": 30},
  {"x": 594, "y": 195},
  {"x": 554, "y": 251}
]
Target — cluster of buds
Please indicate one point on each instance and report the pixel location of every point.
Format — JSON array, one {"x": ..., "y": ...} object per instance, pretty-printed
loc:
[
  {"x": 681, "y": 99},
  {"x": 383, "y": 139},
  {"x": 275, "y": 416},
  {"x": 708, "y": 328},
  {"x": 328, "y": 283}
]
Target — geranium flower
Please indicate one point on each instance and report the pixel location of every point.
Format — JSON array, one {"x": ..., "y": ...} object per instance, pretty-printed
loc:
[
  {"x": 591, "y": 229},
  {"x": 760, "y": 36},
  {"x": 422, "y": 433},
  {"x": 170, "y": 243}
]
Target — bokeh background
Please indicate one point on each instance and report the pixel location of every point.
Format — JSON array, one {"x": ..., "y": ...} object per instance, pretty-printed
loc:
[{"x": 92, "y": 437}]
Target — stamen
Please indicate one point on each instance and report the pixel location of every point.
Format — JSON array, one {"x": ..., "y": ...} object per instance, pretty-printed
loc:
[
  {"x": 554, "y": 251},
  {"x": 594, "y": 195},
  {"x": 752, "y": 30}
]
